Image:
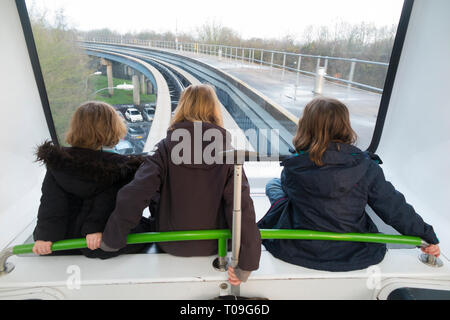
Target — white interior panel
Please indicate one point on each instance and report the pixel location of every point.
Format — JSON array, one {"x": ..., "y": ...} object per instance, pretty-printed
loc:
[
  {"x": 415, "y": 144},
  {"x": 23, "y": 127}
]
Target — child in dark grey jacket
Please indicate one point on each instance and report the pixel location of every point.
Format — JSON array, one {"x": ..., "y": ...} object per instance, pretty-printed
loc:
[{"x": 194, "y": 193}]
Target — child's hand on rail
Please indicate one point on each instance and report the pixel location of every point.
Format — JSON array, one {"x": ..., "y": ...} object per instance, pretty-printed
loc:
[
  {"x": 432, "y": 249},
  {"x": 232, "y": 278},
  {"x": 42, "y": 247},
  {"x": 93, "y": 240}
]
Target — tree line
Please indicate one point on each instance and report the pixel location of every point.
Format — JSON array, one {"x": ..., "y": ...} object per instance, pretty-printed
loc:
[
  {"x": 364, "y": 41},
  {"x": 65, "y": 67}
]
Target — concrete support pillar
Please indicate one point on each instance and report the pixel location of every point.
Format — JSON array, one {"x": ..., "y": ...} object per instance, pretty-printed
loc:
[
  {"x": 136, "y": 89},
  {"x": 109, "y": 74},
  {"x": 143, "y": 86},
  {"x": 149, "y": 87}
]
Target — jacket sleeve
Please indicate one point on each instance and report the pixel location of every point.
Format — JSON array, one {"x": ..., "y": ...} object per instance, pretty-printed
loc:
[
  {"x": 250, "y": 251},
  {"x": 101, "y": 209},
  {"x": 131, "y": 201},
  {"x": 53, "y": 214},
  {"x": 391, "y": 206}
]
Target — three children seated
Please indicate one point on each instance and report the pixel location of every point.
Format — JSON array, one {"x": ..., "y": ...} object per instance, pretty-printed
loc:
[{"x": 91, "y": 192}]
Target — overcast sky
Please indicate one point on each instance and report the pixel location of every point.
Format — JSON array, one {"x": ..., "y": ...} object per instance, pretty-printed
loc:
[{"x": 264, "y": 19}]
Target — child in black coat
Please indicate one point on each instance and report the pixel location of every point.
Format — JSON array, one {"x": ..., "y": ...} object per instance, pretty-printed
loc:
[{"x": 80, "y": 186}]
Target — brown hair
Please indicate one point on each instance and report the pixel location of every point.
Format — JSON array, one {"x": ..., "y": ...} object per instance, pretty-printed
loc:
[
  {"x": 324, "y": 120},
  {"x": 95, "y": 124},
  {"x": 198, "y": 103}
]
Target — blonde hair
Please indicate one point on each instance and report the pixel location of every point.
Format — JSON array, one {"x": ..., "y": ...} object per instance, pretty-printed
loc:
[
  {"x": 95, "y": 124},
  {"x": 324, "y": 120},
  {"x": 198, "y": 103}
]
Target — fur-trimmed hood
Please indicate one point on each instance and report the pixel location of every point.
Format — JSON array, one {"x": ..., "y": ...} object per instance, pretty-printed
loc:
[{"x": 69, "y": 164}]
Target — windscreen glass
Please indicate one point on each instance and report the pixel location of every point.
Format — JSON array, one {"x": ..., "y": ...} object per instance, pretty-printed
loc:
[{"x": 265, "y": 60}]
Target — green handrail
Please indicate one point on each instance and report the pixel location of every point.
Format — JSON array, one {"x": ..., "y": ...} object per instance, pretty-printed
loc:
[{"x": 224, "y": 234}]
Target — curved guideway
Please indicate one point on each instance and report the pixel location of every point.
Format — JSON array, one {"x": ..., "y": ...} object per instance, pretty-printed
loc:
[
  {"x": 248, "y": 108},
  {"x": 239, "y": 140}
]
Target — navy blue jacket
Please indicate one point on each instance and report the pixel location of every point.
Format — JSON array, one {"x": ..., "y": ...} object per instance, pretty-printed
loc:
[{"x": 333, "y": 198}]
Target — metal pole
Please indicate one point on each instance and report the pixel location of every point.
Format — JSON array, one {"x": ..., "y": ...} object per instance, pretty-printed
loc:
[
  {"x": 271, "y": 62},
  {"x": 236, "y": 240},
  {"x": 352, "y": 73},
  {"x": 318, "y": 86},
  {"x": 299, "y": 62},
  {"x": 262, "y": 57},
  {"x": 284, "y": 66},
  {"x": 298, "y": 67},
  {"x": 326, "y": 64}
]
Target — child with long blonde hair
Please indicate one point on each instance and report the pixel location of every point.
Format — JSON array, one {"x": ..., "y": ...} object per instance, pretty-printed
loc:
[{"x": 192, "y": 192}]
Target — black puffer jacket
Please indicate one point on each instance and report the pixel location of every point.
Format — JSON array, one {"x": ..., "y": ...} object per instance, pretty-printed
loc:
[
  {"x": 79, "y": 191},
  {"x": 333, "y": 198}
]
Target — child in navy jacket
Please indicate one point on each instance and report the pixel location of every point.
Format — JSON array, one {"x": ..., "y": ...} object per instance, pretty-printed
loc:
[{"x": 326, "y": 186}]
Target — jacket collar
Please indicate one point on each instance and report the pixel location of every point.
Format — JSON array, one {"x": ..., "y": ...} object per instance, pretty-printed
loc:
[
  {"x": 93, "y": 165},
  {"x": 336, "y": 154}
]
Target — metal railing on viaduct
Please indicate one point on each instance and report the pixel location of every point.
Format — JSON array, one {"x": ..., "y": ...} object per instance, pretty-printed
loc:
[{"x": 365, "y": 74}]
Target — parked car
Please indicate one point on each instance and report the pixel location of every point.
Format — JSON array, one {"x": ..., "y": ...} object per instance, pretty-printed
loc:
[
  {"x": 124, "y": 147},
  {"x": 148, "y": 113},
  {"x": 133, "y": 115},
  {"x": 136, "y": 133}
]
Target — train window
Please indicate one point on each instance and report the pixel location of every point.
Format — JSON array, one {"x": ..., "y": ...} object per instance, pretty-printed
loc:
[{"x": 266, "y": 60}]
